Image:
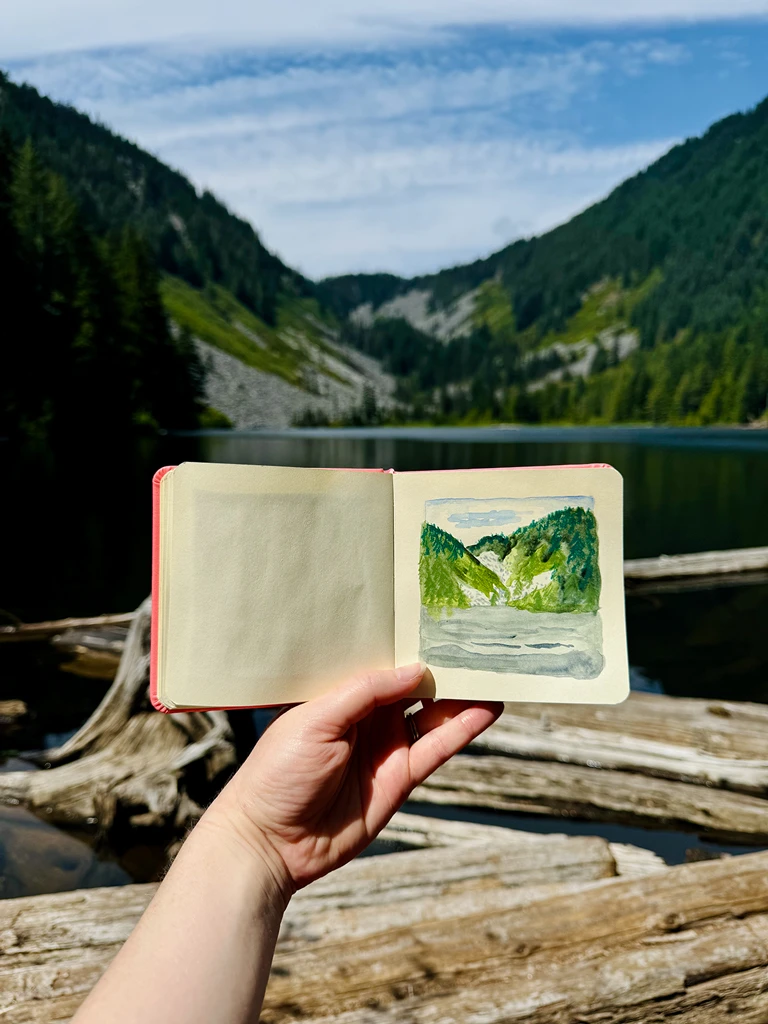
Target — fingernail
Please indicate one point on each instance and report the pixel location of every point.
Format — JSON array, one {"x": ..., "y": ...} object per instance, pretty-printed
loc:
[{"x": 410, "y": 671}]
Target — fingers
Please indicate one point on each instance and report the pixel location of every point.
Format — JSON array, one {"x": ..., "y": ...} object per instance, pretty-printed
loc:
[
  {"x": 353, "y": 700},
  {"x": 446, "y": 727}
]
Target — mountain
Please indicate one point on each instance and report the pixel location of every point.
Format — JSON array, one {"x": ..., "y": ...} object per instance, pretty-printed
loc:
[
  {"x": 447, "y": 570},
  {"x": 270, "y": 348},
  {"x": 650, "y": 305},
  {"x": 549, "y": 565}
]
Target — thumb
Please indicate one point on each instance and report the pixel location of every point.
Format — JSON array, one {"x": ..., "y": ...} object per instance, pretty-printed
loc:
[{"x": 352, "y": 701}]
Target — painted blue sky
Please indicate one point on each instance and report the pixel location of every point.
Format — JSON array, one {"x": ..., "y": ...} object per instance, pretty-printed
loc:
[
  {"x": 471, "y": 519},
  {"x": 417, "y": 137}
]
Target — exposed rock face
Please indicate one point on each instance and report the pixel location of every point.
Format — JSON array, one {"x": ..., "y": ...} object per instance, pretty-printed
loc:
[
  {"x": 455, "y": 321},
  {"x": 253, "y": 398}
]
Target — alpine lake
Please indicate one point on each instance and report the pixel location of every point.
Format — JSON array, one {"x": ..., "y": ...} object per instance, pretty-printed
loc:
[{"x": 76, "y": 523}]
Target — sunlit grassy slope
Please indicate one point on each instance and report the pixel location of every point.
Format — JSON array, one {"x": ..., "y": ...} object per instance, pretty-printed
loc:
[
  {"x": 300, "y": 338},
  {"x": 605, "y": 305}
]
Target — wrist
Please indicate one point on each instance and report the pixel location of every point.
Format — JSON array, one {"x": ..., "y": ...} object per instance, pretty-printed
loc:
[{"x": 226, "y": 826}]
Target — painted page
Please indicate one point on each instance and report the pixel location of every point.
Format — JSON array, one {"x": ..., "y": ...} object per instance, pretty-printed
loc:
[
  {"x": 276, "y": 583},
  {"x": 509, "y": 583}
]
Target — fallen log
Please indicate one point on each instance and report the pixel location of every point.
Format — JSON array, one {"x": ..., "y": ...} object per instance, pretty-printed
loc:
[
  {"x": 43, "y": 630},
  {"x": 54, "y": 948},
  {"x": 416, "y": 831},
  {"x": 710, "y": 743},
  {"x": 654, "y": 761},
  {"x": 704, "y": 563},
  {"x": 705, "y": 570},
  {"x": 689, "y": 944},
  {"x": 92, "y": 653},
  {"x": 570, "y": 791},
  {"x": 125, "y": 756}
]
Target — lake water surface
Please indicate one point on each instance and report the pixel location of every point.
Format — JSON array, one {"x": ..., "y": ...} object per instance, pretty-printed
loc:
[{"x": 76, "y": 525}]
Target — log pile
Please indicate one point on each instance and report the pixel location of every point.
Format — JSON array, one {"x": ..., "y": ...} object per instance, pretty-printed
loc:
[
  {"x": 53, "y": 948},
  {"x": 466, "y": 921},
  {"x": 489, "y": 924},
  {"x": 654, "y": 761}
]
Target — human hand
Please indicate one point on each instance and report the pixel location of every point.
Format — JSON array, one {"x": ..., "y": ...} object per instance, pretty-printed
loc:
[{"x": 328, "y": 775}]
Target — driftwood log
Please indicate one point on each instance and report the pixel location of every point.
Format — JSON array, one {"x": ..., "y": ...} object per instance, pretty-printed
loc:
[
  {"x": 93, "y": 653},
  {"x": 43, "y": 630},
  {"x": 11, "y": 712},
  {"x": 704, "y": 563},
  {"x": 532, "y": 929},
  {"x": 125, "y": 756},
  {"x": 415, "y": 831},
  {"x": 654, "y": 761},
  {"x": 689, "y": 944},
  {"x": 671, "y": 573},
  {"x": 54, "y": 948}
]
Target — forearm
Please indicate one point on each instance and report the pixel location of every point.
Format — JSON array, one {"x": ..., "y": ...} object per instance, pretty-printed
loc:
[{"x": 203, "y": 949}]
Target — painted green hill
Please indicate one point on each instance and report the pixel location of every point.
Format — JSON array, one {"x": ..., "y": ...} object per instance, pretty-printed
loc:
[
  {"x": 497, "y": 543},
  {"x": 550, "y": 565},
  {"x": 446, "y": 567},
  {"x": 565, "y": 544}
]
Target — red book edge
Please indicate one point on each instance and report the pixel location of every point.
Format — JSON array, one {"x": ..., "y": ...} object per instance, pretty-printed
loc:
[{"x": 154, "y": 623}]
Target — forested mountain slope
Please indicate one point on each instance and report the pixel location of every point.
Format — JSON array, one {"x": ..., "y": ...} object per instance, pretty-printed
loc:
[
  {"x": 221, "y": 287},
  {"x": 117, "y": 184},
  {"x": 650, "y": 306},
  {"x": 667, "y": 277}
]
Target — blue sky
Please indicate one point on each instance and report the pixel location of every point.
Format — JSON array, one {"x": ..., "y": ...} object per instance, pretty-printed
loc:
[
  {"x": 471, "y": 519},
  {"x": 414, "y": 138}
]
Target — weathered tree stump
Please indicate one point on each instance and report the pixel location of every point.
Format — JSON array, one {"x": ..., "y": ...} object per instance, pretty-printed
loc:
[{"x": 126, "y": 755}]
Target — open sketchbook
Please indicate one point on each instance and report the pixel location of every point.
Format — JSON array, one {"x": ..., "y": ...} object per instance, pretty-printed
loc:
[{"x": 271, "y": 584}]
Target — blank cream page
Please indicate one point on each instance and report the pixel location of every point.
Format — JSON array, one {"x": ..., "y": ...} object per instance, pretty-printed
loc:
[
  {"x": 277, "y": 582},
  {"x": 509, "y": 583}
]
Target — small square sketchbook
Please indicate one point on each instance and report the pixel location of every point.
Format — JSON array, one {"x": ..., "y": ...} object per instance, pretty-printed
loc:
[{"x": 271, "y": 585}]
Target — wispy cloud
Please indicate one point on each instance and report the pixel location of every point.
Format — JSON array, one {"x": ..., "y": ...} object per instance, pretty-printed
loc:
[
  {"x": 41, "y": 26},
  {"x": 493, "y": 518},
  {"x": 404, "y": 158}
]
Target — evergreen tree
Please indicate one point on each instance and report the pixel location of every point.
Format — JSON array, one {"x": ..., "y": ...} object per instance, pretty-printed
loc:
[{"x": 92, "y": 345}]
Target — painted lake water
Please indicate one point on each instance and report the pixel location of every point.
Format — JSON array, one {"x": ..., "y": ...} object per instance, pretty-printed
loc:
[
  {"x": 503, "y": 639},
  {"x": 76, "y": 527}
]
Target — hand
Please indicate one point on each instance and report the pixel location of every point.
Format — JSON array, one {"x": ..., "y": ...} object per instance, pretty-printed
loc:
[{"x": 328, "y": 775}]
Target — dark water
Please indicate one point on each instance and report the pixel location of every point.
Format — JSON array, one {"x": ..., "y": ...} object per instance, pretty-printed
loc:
[{"x": 75, "y": 525}]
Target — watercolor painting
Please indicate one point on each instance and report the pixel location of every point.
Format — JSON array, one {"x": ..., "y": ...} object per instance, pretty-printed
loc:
[{"x": 511, "y": 585}]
